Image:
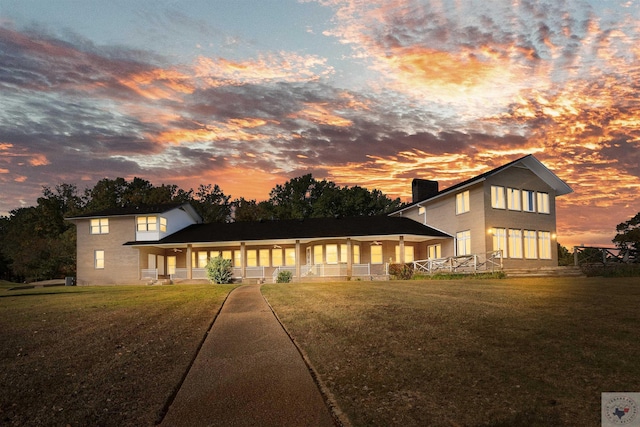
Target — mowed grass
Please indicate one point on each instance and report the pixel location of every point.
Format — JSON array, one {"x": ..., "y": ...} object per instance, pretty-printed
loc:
[
  {"x": 108, "y": 356},
  {"x": 514, "y": 352}
]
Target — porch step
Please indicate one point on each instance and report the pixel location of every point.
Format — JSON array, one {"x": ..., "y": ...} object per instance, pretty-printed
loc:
[{"x": 562, "y": 271}]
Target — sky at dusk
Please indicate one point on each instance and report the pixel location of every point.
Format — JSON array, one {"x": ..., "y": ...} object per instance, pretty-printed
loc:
[{"x": 248, "y": 94}]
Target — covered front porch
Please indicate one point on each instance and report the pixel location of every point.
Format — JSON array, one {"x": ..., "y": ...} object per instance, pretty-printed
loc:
[{"x": 362, "y": 258}]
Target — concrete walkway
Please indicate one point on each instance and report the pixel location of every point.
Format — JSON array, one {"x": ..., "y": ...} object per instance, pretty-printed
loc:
[{"x": 248, "y": 373}]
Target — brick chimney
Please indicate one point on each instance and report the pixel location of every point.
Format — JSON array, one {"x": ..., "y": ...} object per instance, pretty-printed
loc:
[{"x": 422, "y": 189}]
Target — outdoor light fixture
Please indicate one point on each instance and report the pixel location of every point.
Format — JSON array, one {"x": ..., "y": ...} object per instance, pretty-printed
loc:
[
  {"x": 376, "y": 243},
  {"x": 277, "y": 247}
]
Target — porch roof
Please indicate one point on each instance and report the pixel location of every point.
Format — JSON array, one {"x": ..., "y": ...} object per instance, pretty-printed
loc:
[{"x": 311, "y": 228}]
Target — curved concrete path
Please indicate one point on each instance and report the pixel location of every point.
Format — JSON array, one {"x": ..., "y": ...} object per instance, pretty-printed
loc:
[{"x": 248, "y": 373}]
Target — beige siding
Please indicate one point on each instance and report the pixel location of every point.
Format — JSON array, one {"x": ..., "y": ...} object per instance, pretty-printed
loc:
[
  {"x": 521, "y": 179},
  {"x": 120, "y": 262}
]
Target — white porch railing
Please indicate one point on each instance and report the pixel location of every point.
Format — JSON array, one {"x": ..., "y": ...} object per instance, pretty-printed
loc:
[
  {"x": 491, "y": 261},
  {"x": 149, "y": 273},
  {"x": 254, "y": 272},
  {"x": 277, "y": 271}
]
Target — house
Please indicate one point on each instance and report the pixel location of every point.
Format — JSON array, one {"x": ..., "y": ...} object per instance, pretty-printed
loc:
[{"x": 504, "y": 218}]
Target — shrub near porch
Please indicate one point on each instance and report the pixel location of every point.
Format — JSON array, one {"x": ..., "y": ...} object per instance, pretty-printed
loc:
[{"x": 492, "y": 352}]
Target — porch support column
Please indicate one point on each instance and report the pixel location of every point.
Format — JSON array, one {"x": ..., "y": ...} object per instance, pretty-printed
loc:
[
  {"x": 243, "y": 257},
  {"x": 401, "y": 260},
  {"x": 189, "y": 266},
  {"x": 349, "y": 258},
  {"x": 298, "y": 259}
]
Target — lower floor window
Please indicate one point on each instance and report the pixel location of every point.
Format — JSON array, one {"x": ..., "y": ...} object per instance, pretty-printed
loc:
[
  {"x": 98, "y": 259},
  {"x": 376, "y": 254},
  {"x": 435, "y": 251},
  {"x": 544, "y": 244},
  {"x": 463, "y": 239},
  {"x": 408, "y": 254}
]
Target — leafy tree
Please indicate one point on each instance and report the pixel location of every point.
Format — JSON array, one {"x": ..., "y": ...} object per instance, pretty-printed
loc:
[
  {"x": 212, "y": 204},
  {"x": 564, "y": 256},
  {"x": 628, "y": 237},
  {"x": 250, "y": 210}
]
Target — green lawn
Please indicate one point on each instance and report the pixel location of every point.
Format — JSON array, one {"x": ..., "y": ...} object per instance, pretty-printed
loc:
[
  {"x": 108, "y": 356},
  {"x": 445, "y": 353}
]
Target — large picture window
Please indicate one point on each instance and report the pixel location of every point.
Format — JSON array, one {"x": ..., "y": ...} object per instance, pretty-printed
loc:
[
  {"x": 544, "y": 244},
  {"x": 264, "y": 257},
  {"x": 500, "y": 240},
  {"x": 332, "y": 254},
  {"x": 463, "y": 242},
  {"x": 408, "y": 254},
  {"x": 462, "y": 202},
  {"x": 290, "y": 256},
  {"x": 356, "y": 253},
  {"x": 497, "y": 197},
  {"x": 100, "y": 226},
  {"x": 515, "y": 243},
  {"x": 376, "y": 254},
  {"x": 317, "y": 255},
  {"x": 252, "y": 258},
  {"x": 530, "y": 246},
  {"x": 276, "y": 257}
]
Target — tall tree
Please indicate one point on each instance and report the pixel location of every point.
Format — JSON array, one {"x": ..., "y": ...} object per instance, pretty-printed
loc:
[
  {"x": 212, "y": 204},
  {"x": 628, "y": 237}
]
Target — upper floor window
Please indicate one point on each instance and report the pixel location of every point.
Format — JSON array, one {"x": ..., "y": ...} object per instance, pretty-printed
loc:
[
  {"x": 513, "y": 199},
  {"x": 462, "y": 202},
  {"x": 100, "y": 226},
  {"x": 497, "y": 197},
  {"x": 528, "y": 201},
  {"x": 421, "y": 210},
  {"x": 543, "y": 203},
  {"x": 163, "y": 224},
  {"x": 147, "y": 223}
]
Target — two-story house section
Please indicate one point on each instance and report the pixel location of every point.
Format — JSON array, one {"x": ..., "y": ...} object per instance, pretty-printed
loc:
[
  {"x": 101, "y": 256},
  {"x": 511, "y": 208}
]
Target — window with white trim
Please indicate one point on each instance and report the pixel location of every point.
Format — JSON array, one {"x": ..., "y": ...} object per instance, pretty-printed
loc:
[
  {"x": 98, "y": 259},
  {"x": 408, "y": 253},
  {"x": 497, "y": 197},
  {"x": 530, "y": 244},
  {"x": 171, "y": 264},
  {"x": 434, "y": 251},
  {"x": 317, "y": 255},
  {"x": 100, "y": 226},
  {"x": 543, "y": 203},
  {"x": 515, "y": 243},
  {"x": 202, "y": 259},
  {"x": 376, "y": 254},
  {"x": 513, "y": 199},
  {"x": 343, "y": 253},
  {"x": 528, "y": 201},
  {"x": 163, "y": 224},
  {"x": 462, "y": 202},
  {"x": 463, "y": 242},
  {"x": 264, "y": 257},
  {"x": 356, "y": 253},
  {"x": 290, "y": 256},
  {"x": 332, "y": 254},
  {"x": 214, "y": 254},
  {"x": 544, "y": 244},
  {"x": 276, "y": 257},
  {"x": 147, "y": 223},
  {"x": 237, "y": 258},
  {"x": 227, "y": 255},
  {"x": 252, "y": 258},
  {"x": 500, "y": 240}
]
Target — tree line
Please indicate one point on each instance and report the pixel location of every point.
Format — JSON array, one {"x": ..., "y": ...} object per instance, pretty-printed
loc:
[{"x": 37, "y": 242}]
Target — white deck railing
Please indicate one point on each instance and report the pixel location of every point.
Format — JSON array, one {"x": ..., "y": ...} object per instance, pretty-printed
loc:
[
  {"x": 490, "y": 261},
  {"x": 149, "y": 273}
]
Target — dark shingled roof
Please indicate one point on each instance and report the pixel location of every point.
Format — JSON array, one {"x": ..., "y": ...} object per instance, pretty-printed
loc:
[
  {"x": 298, "y": 229},
  {"x": 129, "y": 210}
]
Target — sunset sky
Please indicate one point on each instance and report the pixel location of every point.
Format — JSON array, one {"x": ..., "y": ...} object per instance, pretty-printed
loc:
[{"x": 248, "y": 94}]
